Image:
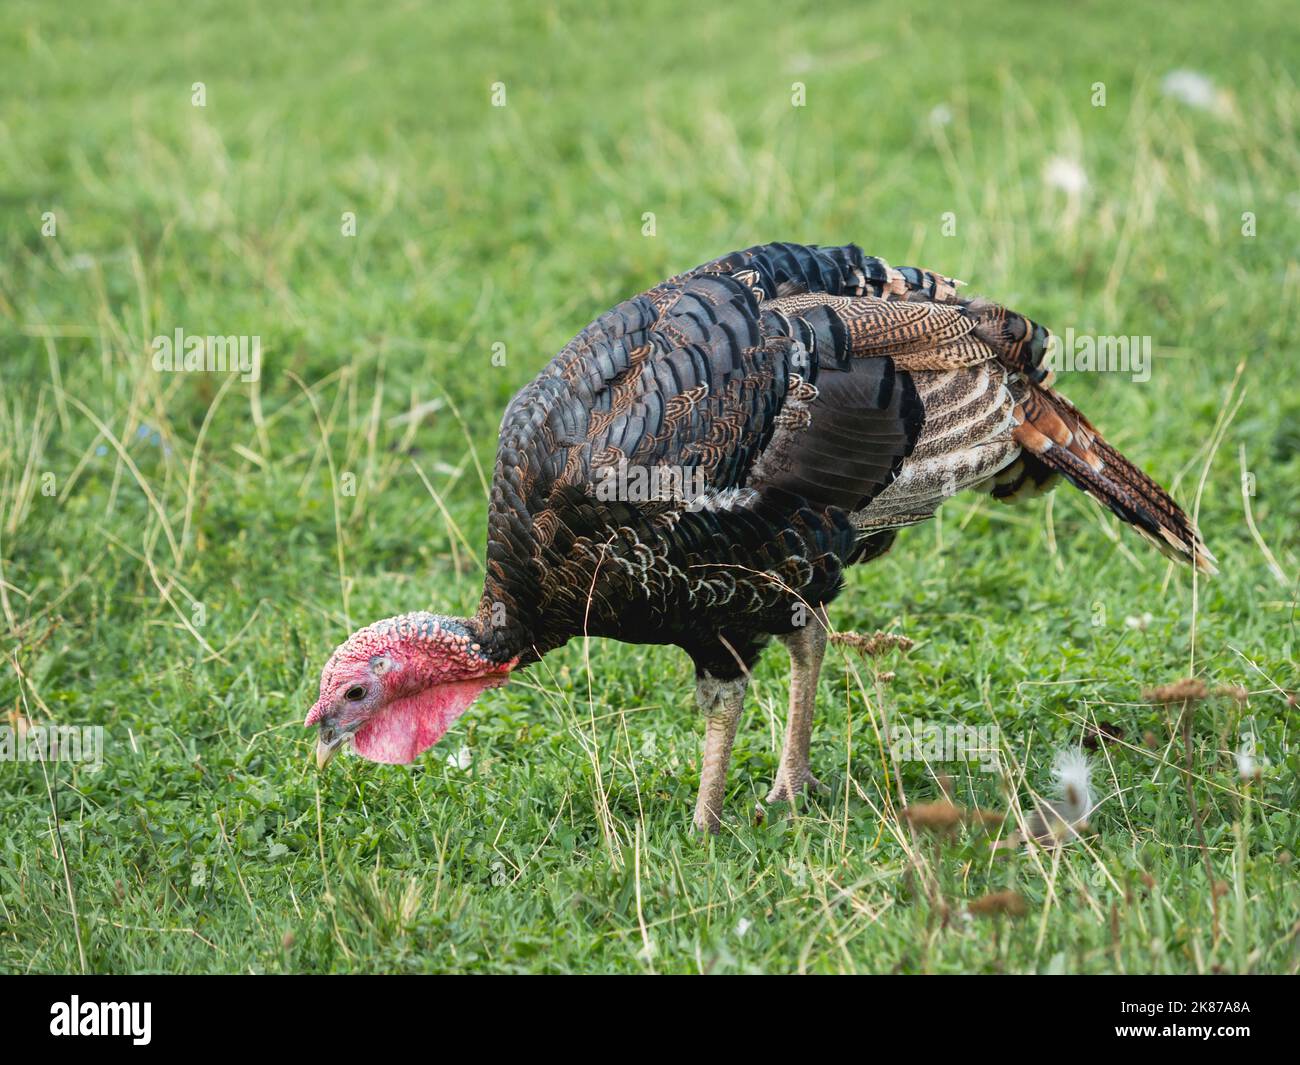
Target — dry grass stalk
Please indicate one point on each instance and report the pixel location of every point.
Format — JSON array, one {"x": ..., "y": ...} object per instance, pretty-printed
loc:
[{"x": 1185, "y": 694}]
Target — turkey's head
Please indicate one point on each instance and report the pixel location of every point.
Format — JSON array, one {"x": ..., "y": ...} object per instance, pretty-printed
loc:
[{"x": 395, "y": 687}]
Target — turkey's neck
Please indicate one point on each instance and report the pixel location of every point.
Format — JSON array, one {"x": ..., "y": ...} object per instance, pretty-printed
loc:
[
  {"x": 443, "y": 650},
  {"x": 504, "y": 636}
]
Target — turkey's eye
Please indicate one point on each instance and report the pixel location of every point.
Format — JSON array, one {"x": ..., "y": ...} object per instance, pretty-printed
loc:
[{"x": 355, "y": 693}]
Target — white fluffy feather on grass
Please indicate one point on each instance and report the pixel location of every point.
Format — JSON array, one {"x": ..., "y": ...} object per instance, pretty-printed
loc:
[{"x": 1060, "y": 818}]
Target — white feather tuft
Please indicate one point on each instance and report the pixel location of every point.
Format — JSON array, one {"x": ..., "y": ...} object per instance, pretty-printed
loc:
[
  {"x": 1058, "y": 820},
  {"x": 1073, "y": 775}
]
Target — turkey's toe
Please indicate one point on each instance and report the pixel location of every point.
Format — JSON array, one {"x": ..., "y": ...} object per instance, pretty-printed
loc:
[
  {"x": 790, "y": 785},
  {"x": 706, "y": 824}
]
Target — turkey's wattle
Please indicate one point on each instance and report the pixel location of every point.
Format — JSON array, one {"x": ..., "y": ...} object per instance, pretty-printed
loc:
[{"x": 820, "y": 400}]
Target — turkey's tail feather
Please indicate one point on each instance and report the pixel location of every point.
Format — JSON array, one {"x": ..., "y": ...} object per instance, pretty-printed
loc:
[{"x": 1056, "y": 440}]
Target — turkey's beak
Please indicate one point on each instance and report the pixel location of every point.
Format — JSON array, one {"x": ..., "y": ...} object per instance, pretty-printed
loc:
[{"x": 328, "y": 743}]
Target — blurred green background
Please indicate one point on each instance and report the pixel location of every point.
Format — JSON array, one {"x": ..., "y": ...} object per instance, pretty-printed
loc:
[{"x": 181, "y": 552}]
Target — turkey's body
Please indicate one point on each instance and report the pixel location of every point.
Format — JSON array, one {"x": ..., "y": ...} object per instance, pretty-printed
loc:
[{"x": 812, "y": 401}]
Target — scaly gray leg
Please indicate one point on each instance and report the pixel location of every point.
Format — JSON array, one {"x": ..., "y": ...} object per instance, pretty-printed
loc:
[
  {"x": 807, "y": 647},
  {"x": 721, "y": 702}
]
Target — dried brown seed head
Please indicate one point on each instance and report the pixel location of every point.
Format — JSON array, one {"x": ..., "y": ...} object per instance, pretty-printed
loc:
[
  {"x": 872, "y": 646},
  {"x": 998, "y": 903},
  {"x": 938, "y": 816},
  {"x": 1187, "y": 690},
  {"x": 944, "y": 815}
]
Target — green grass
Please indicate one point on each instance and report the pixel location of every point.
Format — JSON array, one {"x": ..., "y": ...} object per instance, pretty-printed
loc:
[{"x": 179, "y": 554}]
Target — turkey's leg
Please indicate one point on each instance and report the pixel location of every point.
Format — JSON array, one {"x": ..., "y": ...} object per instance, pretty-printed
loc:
[
  {"x": 807, "y": 647},
  {"x": 721, "y": 702}
]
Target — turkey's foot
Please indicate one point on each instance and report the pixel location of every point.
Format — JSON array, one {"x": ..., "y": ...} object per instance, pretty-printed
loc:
[
  {"x": 706, "y": 823},
  {"x": 791, "y": 783}
]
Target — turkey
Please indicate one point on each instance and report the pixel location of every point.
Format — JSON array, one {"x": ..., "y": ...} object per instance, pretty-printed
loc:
[{"x": 699, "y": 467}]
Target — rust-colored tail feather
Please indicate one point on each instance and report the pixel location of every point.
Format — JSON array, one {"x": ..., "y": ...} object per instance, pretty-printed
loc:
[{"x": 1056, "y": 438}]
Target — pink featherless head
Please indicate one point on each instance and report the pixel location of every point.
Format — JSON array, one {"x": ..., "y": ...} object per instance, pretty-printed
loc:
[{"x": 395, "y": 687}]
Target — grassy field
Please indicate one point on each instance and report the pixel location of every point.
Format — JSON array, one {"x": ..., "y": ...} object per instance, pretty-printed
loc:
[{"x": 181, "y": 551}]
